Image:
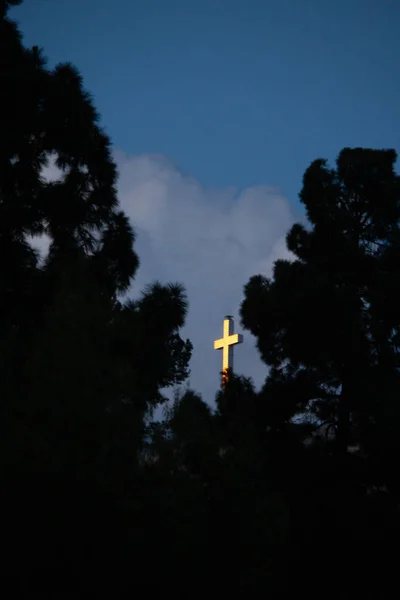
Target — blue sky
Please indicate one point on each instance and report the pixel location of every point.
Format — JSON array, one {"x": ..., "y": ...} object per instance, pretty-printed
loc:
[
  {"x": 226, "y": 97},
  {"x": 235, "y": 92}
]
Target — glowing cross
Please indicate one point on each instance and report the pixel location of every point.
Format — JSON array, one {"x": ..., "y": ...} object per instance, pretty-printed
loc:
[{"x": 226, "y": 343}]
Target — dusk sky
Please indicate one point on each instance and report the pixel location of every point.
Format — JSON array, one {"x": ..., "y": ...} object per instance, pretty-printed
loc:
[{"x": 215, "y": 108}]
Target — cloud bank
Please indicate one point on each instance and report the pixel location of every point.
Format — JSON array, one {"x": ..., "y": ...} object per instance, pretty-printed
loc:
[{"x": 212, "y": 241}]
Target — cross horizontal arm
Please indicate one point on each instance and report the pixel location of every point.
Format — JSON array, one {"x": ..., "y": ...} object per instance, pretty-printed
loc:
[
  {"x": 218, "y": 344},
  {"x": 235, "y": 338}
]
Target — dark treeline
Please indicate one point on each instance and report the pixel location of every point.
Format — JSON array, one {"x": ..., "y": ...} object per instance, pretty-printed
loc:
[{"x": 276, "y": 482}]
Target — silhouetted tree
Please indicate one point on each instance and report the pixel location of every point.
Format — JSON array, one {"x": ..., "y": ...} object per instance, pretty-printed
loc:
[
  {"x": 80, "y": 367},
  {"x": 323, "y": 315},
  {"x": 327, "y": 324}
]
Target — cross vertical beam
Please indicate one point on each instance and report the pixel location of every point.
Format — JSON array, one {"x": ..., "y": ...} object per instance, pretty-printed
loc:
[{"x": 226, "y": 344}]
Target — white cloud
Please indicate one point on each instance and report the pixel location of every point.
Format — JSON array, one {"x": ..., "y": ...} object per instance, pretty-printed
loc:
[{"x": 212, "y": 241}]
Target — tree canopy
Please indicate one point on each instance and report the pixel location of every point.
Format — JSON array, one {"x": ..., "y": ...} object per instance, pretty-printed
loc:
[{"x": 81, "y": 365}]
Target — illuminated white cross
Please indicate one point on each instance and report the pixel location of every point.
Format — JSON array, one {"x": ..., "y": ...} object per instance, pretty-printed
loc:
[{"x": 226, "y": 343}]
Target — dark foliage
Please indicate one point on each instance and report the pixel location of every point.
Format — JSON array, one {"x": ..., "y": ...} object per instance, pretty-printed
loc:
[
  {"x": 80, "y": 368},
  {"x": 327, "y": 324}
]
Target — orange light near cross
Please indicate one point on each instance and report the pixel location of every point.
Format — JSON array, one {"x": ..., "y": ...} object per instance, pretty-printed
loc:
[{"x": 226, "y": 344}]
